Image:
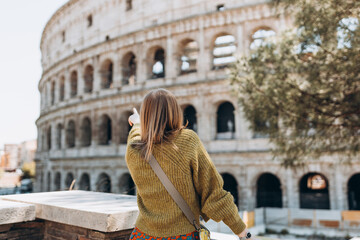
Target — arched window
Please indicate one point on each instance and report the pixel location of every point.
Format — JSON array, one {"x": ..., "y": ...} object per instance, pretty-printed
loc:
[
  {"x": 70, "y": 134},
  {"x": 105, "y": 130},
  {"x": 62, "y": 88},
  {"x": 158, "y": 64},
  {"x": 268, "y": 191},
  {"x": 52, "y": 93},
  {"x": 103, "y": 183},
  {"x": 68, "y": 180},
  {"x": 231, "y": 185},
  {"x": 49, "y": 181},
  {"x": 85, "y": 136},
  {"x": 48, "y": 138},
  {"x": 224, "y": 50},
  {"x": 314, "y": 192},
  {"x": 85, "y": 182},
  {"x": 259, "y": 37},
  {"x": 129, "y": 69},
  {"x": 124, "y": 127},
  {"x": 354, "y": 192},
  {"x": 225, "y": 121},
  {"x": 89, "y": 79},
  {"x": 345, "y": 31},
  {"x": 59, "y": 129},
  {"x": 126, "y": 185},
  {"x": 190, "y": 117},
  {"x": 107, "y": 74},
  {"x": 73, "y": 83},
  {"x": 57, "y": 181},
  {"x": 189, "y": 56}
]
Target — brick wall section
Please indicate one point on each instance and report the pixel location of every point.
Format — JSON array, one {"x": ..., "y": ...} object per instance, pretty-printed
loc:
[
  {"x": 58, "y": 231},
  {"x": 47, "y": 230},
  {"x": 18, "y": 231}
]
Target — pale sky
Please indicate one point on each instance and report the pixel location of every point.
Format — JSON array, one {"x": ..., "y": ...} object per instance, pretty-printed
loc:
[{"x": 21, "y": 25}]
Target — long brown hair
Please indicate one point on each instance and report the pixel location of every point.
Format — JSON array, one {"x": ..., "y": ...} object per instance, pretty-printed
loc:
[{"x": 161, "y": 119}]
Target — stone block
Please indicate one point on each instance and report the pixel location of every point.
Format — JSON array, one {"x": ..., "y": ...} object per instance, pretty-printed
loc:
[
  {"x": 14, "y": 212},
  {"x": 91, "y": 210}
]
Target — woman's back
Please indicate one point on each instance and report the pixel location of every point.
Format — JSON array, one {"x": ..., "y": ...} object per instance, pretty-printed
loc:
[{"x": 186, "y": 163}]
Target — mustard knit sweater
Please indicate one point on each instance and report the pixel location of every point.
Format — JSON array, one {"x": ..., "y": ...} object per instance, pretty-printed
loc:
[{"x": 193, "y": 174}]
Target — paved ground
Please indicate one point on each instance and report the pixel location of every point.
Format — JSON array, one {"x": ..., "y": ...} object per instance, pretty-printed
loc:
[{"x": 291, "y": 237}]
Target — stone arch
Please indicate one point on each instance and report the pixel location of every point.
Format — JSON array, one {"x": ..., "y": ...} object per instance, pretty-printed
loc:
[
  {"x": 62, "y": 89},
  {"x": 354, "y": 192},
  {"x": 258, "y": 36},
  {"x": 225, "y": 117},
  {"x": 156, "y": 56},
  {"x": 48, "y": 138},
  {"x": 49, "y": 181},
  {"x": 84, "y": 183},
  {"x": 85, "y": 136},
  {"x": 105, "y": 130},
  {"x": 129, "y": 69},
  {"x": 88, "y": 78},
  {"x": 314, "y": 191},
  {"x": 124, "y": 127},
  {"x": 73, "y": 83},
  {"x": 127, "y": 185},
  {"x": 231, "y": 185},
  {"x": 103, "y": 183},
  {"x": 190, "y": 117},
  {"x": 70, "y": 134},
  {"x": 107, "y": 73},
  {"x": 224, "y": 48},
  {"x": 268, "y": 191},
  {"x": 68, "y": 180},
  {"x": 189, "y": 53},
  {"x": 59, "y": 128},
  {"x": 57, "y": 181}
]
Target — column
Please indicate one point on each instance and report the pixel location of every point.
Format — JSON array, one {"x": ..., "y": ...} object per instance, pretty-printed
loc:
[
  {"x": 56, "y": 90},
  {"x": 117, "y": 71},
  {"x": 142, "y": 65},
  {"x": 80, "y": 80},
  {"x": 170, "y": 63},
  {"x": 292, "y": 190},
  {"x": 240, "y": 41},
  {"x": 97, "y": 75},
  {"x": 67, "y": 85},
  {"x": 202, "y": 62}
]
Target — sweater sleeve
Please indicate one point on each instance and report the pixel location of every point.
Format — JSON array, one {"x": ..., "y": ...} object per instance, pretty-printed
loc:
[
  {"x": 134, "y": 133},
  {"x": 216, "y": 203}
]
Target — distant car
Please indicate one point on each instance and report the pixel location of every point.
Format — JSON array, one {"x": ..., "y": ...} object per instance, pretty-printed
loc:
[{"x": 26, "y": 186}]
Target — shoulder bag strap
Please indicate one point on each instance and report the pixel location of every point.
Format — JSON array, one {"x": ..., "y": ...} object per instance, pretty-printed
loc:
[{"x": 174, "y": 193}]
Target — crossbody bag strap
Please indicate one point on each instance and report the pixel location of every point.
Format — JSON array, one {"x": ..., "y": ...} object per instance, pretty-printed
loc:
[{"x": 174, "y": 193}]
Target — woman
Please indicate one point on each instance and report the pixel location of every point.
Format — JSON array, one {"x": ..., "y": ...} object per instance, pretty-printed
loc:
[{"x": 159, "y": 131}]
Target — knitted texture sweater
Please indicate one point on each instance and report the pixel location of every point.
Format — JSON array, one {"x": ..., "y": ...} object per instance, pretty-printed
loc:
[{"x": 190, "y": 169}]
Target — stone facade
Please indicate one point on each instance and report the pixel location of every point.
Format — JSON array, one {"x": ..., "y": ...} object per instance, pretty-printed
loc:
[{"x": 100, "y": 58}]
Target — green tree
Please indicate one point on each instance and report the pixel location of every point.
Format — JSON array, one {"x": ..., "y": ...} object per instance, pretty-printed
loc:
[{"x": 301, "y": 88}]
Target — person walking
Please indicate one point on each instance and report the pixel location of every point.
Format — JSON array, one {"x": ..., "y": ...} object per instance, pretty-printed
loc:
[{"x": 159, "y": 133}]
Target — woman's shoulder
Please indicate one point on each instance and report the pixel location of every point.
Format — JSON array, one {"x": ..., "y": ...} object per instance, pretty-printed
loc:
[{"x": 188, "y": 136}]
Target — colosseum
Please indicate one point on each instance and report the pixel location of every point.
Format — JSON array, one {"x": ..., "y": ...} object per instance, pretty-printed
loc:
[{"x": 100, "y": 58}]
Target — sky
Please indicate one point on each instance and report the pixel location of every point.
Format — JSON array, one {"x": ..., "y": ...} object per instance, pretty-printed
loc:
[{"x": 21, "y": 26}]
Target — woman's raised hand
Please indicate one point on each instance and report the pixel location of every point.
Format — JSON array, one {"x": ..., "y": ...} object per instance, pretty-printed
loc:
[{"x": 134, "y": 118}]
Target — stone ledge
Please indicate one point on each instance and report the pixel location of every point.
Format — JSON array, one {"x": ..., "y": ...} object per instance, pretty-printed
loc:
[
  {"x": 103, "y": 212},
  {"x": 14, "y": 212}
]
